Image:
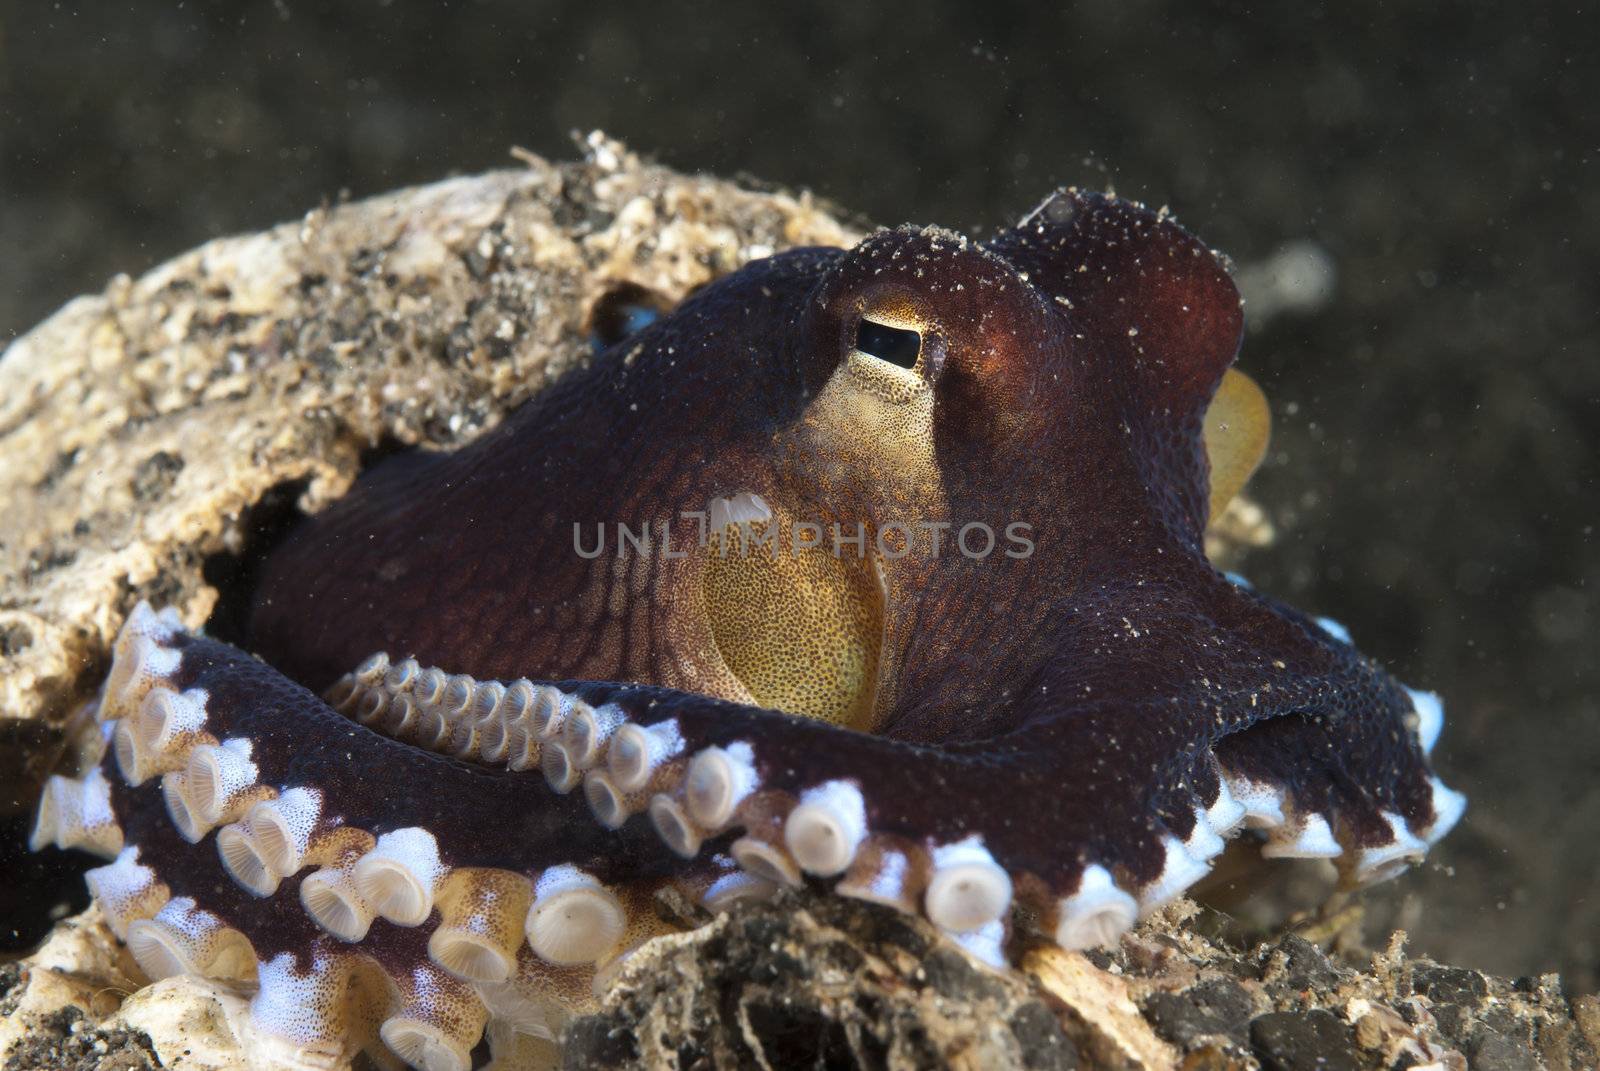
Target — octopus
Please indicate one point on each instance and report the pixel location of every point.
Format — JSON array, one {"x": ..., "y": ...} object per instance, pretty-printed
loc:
[{"x": 879, "y": 571}]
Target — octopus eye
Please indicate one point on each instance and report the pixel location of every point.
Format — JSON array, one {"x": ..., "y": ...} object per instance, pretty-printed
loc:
[{"x": 891, "y": 344}]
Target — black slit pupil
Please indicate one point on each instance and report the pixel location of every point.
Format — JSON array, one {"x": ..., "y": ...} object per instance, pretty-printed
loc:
[{"x": 889, "y": 343}]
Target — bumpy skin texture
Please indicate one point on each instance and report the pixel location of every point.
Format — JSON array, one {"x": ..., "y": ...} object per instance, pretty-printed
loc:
[{"x": 1069, "y": 730}]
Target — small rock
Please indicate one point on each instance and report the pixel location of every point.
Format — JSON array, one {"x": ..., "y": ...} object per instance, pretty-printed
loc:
[
  {"x": 1215, "y": 1008},
  {"x": 1494, "y": 1052},
  {"x": 1303, "y": 964},
  {"x": 1449, "y": 985},
  {"x": 1304, "y": 1041}
]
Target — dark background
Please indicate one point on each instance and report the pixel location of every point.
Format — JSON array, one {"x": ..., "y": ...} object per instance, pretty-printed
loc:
[{"x": 1434, "y": 471}]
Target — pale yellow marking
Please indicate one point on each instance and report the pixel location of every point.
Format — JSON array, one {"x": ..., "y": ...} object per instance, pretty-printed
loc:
[
  {"x": 1238, "y": 424},
  {"x": 801, "y": 630}
]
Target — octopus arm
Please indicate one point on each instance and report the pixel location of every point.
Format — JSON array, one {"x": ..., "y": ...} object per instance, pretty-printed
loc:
[{"x": 422, "y": 855}]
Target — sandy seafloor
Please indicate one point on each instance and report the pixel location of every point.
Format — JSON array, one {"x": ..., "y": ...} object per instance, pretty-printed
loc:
[{"x": 1434, "y": 472}]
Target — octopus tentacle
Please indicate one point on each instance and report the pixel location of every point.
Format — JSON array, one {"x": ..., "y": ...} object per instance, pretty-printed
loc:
[
  {"x": 753, "y": 773},
  {"x": 364, "y": 916},
  {"x": 1315, "y": 791},
  {"x": 324, "y": 854}
]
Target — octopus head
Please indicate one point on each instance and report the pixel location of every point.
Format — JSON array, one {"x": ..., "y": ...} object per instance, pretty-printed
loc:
[{"x": 983, "y": 425}]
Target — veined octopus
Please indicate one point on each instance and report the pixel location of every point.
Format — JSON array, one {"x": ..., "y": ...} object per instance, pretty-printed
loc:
[{"x": 877, "y": 569}]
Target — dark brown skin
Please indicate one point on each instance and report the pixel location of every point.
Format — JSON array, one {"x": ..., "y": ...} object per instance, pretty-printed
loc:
[
  {"x": 1073, "y": 708},
  {"x": 1070, "y": 401}
]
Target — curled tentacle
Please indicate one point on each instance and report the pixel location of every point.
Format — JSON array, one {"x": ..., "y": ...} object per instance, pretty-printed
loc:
[
  {"x": 421, "y": 911},
  {"x": 317, "y": 851}
]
